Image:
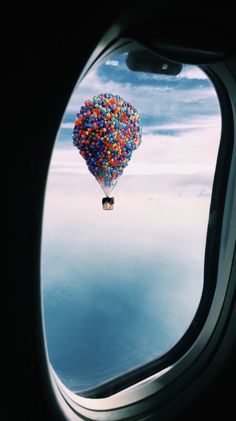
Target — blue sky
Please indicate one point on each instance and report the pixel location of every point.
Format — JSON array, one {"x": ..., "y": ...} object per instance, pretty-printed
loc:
[{"x": 121, "y": 287}]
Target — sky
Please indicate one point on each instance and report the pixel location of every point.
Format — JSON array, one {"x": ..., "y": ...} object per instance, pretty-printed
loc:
[{"x": 120, "y": 288}]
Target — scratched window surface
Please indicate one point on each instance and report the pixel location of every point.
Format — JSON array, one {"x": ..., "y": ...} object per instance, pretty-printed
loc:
[{"x": 121, "y": 287}]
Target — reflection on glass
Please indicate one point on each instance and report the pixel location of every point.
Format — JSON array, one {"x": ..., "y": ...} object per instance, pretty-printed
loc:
[{"x": 120, "y": 288}]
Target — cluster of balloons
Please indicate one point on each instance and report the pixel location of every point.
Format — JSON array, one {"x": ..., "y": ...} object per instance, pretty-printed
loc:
[{"x": 106, "y": 132}]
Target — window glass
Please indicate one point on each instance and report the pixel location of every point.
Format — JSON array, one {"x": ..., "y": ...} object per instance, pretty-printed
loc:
[{"x": 121, "y": 287}]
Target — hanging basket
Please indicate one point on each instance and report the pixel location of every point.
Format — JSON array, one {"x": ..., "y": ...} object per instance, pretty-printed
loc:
[{"x": 108, "y": 203}]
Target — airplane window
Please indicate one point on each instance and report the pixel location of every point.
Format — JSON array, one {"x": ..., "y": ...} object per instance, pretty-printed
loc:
[{"x": 121, "y": 287}]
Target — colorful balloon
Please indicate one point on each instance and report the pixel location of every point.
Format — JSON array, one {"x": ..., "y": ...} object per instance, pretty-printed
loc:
[{"x": 106, "y": 131}]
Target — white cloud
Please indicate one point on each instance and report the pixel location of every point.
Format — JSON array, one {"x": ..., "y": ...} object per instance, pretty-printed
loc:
[
  {"x": 199, "y": 122},
  {"x": 189, "y": 153},
  {"x": 111, "y": 63},
  {"x": 192, "y": 72},
  {"x": 156, "y": 169},
  {"x": 90, "y": 86},
  {"x": 134, "y": 168},
  {"x": 149, "y": 99},
  {"x": 67, "y": 126},
  {"x": 196, "y": 148}
]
